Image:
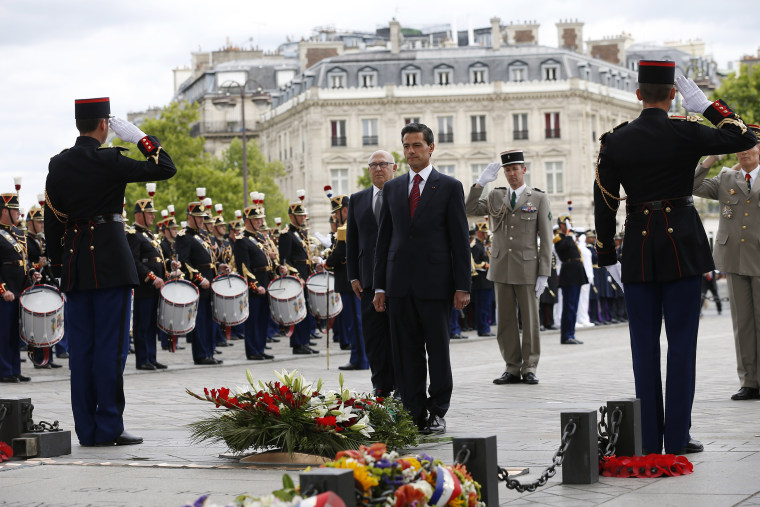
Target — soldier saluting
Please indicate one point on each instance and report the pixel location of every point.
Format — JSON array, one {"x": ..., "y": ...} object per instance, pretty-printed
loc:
[
  {"x": 86, "y": 242},
  {"x": 666, "y": 249}
]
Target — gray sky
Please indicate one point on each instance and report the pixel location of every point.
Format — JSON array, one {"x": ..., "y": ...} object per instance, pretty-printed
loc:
[{"x": 54, "y": 52}]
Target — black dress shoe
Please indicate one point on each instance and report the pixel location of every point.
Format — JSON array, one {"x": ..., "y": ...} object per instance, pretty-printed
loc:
[
  {"x": 208, "y": 361},
  {"x": 42, "y": 366},
  {"x": 273, "y": 340},
  {"x": 62, "y": 355},
  {"x": 224, "y": 344},
  {"x": 146, "y": 366},
  {"x": 486, "y": 334},
  {"x": 315, "y": 336},
  {"x": 123, "y": 439},
  {"x": 268, "y": 356},
  {"x": 552, "y": 328},
  {"x": 303, "y": 350},
  {"x": 22, "y": 378},
  {"x": 542, "y": 328},
  {"x": 530, "y": 378},
  {"x": 159, "y": 366},
  {"x": 692, "y": 447},
  {"x": 507, "y": 378},
  {"x": 255, "y": 357},
  {"x": 456, "y": 337},
  {"x": 746, "y": 393},
  {"x": 343, "y": 346},
  {"x": 10, "y": 379},
  {"x": 571, "y": 341},
  {"x": 314, "y": 344},
  {"x": 436, "y": 425},
  {"x": 55, "y": 365},
  {"x": 348, "y": 366}
]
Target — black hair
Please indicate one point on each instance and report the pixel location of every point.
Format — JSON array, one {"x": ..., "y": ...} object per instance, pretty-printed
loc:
[
  {"x": 652, "y": 93},
  {"x": 418, "y": 127}
]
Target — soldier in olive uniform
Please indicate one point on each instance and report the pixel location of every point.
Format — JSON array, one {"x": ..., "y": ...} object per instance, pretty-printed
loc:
[
  {"x": 737, "y": 253},
  {"x": 519, "y": 269},
  {"x": 666, "y": 249},
  {"x": 196, "y": 255},
  {"x": 14, "y": 277},
  {"x": 85, "y": 238}
]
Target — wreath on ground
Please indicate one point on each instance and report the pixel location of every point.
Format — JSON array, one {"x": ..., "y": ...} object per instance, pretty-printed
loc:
[{"x": 295, "y": 416}]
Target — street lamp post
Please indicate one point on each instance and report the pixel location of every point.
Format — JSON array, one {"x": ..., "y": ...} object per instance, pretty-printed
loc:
[{"x": 225, "y": 102}]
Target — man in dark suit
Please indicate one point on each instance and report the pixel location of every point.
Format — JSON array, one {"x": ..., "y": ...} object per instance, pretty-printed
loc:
[
  {"x": 422, "y": 262},
  {"x": 84, "y": 195},
  {"x": 361, "y": 237},
  {"x": 666, "y": 249},
  {"x": 572, "y": 276}
]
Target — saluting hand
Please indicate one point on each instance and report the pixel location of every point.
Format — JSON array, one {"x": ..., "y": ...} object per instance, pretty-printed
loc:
[
  {"x": 490, "y": 173},
  {"x": 125, "y": 130},
  {"x": 693, "y": 98}
]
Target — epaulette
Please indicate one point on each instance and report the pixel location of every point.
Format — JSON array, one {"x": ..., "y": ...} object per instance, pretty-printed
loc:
[
  {"x": 686, "y": 118},
  {"x": 341, "y": 234},
  {"x": 119, "y": 148},
  {"x": 500, "y": 188},
  {"x": 557, "y": 239},
  {"x": 603, "y": 136},
  {"x": 181, "y": 233},
  {"x": 131, "y": 230},
  {"x": 538, "y": 190}
]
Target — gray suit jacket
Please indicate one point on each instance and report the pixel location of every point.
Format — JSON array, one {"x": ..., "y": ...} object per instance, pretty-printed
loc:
[
  {"x": 737, "y": 245},
  {"x": 515, "y": 256}
]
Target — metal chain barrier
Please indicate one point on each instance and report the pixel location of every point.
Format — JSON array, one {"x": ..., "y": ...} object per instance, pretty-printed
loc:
[
  {"x": 559, "y": 457},
  {"x": 608, "y": 437},
  {"x": 43, "y": 426}
]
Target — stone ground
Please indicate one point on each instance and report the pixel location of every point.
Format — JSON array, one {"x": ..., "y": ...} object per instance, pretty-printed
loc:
[{"x": 169, "y": 470}]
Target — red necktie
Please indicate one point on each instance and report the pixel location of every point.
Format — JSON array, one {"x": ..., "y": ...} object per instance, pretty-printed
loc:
[
  {"x": 747, "y": 177},
  {"x": 414, "y": 195}
]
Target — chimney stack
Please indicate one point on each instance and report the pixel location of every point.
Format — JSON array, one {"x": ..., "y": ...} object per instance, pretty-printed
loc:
[
  {"x": 523, "y": 33},
  {"x": 610, "y": 49},
  {"x": 495, "y": 33},
  {"x": 395, "y": 36},
  {"x": 570, "y": 35}
]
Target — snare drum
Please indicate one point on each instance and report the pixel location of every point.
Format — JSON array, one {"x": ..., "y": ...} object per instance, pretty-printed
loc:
[
  {"x": 41, "y": 322},
  {"x": 324, "y": 302},
  {"x": 177, "y": 307},
  {"x": 286, "y": 301},
  {"x": 229, "y": 299}
]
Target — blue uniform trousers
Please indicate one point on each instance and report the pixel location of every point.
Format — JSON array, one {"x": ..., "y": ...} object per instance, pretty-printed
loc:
[
  {"x": 570, "y": 297},
  {"x": 10, "y": 361},
  {"x": 647, "y": 303},
  {"x": 144, "y": 329},
  {"x": 454, "y": 327},
  {"x": 273, "y": 327},
  {"x": 351, "y": 327},
  {"x": 202, "y": 336},
  {"x": 256, "y": 325},
  {"x": 98, "y": 343},
  {"x": 482, "y": 310},
  {"x": 300, "y": 334}
]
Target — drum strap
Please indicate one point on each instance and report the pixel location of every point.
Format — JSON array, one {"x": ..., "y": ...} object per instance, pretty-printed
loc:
[{"x": 17, "y": 246}]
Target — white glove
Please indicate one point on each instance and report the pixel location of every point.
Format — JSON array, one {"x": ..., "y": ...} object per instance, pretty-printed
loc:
[
  {"x": 541, "y": 283},
  {"x": 614, "y": 270},
  {"x": 125, "y": 130},
  {"x": 693, "y": 98},
  {"x": 489, "y": 174}
]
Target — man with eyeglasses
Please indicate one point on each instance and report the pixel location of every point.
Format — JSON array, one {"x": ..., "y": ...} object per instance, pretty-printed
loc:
[{"x": 361, "y": 236}]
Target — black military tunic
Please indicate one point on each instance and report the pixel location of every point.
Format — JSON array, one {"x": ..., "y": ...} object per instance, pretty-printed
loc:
[
  {"x": 13, "y": 260},
  {"x": 572, "y": 271},
  {"x": 83, "y": 222},
  {"x": 664, "y": 239},
  {"x": 481, "y": 260},
  {"x": 336, "y": 262},
  {"x": 293, "y": 252},
  {"x": 148, "y": 258},
  {"x": 169, "y": 253},
  {"x": 196, "y": 254}
]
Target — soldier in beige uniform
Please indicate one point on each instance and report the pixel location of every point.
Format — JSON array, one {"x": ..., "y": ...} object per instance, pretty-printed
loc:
[
  {"x": 737, "y": 252},
  {"x": 519, "y": 216}
]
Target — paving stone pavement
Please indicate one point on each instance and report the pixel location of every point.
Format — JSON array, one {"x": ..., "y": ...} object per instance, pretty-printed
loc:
[{"x": 169, "y": 470}]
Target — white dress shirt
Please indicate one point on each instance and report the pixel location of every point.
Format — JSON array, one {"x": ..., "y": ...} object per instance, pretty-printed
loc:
[
  {"x": 425, "y": 174},
  {"x": 752, "y": 175}
]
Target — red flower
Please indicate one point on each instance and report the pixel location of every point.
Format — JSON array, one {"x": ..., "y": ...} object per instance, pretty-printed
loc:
[
  {"x": 409, "y": 496},
  {"x": 327, "y": 421}
]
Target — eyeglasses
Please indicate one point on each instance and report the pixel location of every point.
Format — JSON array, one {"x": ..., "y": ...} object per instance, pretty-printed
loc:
[{"x": 380, "y": 165}]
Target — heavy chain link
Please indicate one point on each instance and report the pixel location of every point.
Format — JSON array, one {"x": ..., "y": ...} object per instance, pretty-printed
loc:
[
  {"x": 43, "y": 426},
  {"x": 608, "y": 437},
  {"x": 559, "y": 457}
]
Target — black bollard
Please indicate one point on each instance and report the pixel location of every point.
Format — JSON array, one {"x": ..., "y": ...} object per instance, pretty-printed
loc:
[
  {"x": 338, "y": 480},
  {"x": 581, "y": 465},
  {"x": 14, "y": 413},
  {"x": 478, "y": 454},
  {"x": 629, "y": 432}
]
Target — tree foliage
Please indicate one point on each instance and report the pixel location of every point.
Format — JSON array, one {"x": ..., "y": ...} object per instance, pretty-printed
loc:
[{"x": 222, "y": 178}]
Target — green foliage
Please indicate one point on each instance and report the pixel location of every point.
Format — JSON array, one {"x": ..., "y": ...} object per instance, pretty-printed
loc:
[
  {"x": 742, "y": 93},
  {"x": 364, "y": 180},
  {"x": 222, "y": 178}
]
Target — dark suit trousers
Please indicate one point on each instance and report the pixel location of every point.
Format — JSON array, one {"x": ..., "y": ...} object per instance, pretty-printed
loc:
[
  {"x": 144, "y": 329},
  {"x": 679, "y": 302},
  {"x": 419, "y": 326},
  {"x": 377, "y": 343}
]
